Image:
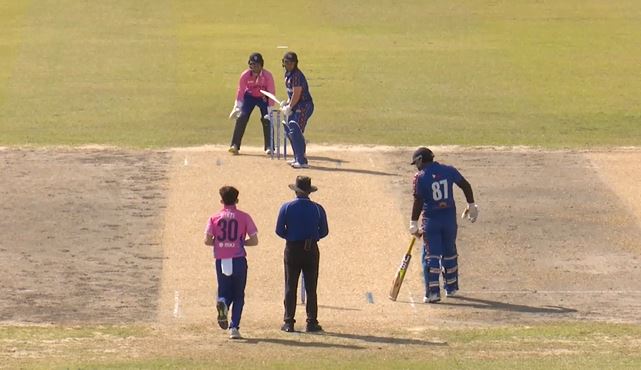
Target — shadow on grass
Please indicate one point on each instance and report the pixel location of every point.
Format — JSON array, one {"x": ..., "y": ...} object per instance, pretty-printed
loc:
[
  {"x": 364, "y": 338},
  {"x": 386, "y": 340},
  {"x": 298, "y": 343},
  {"x": 461, "y": 301}
]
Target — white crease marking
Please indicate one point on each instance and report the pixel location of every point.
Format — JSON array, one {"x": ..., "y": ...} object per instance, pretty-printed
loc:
[{"x": 176, "y": 304}]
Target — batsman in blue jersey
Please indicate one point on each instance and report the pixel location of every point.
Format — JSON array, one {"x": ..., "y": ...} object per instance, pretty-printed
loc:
[
  {"x": 298, "y": 108},
  {"x": 434, "y": 199}
]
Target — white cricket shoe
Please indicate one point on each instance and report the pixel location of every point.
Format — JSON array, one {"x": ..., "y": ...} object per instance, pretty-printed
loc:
[
  {"x": 268, "y": 151},
  {"x": 432, "y": 298},
  {"x": 451, "y": 293},
  {"x": 234, "y": 333},
  {"x": 233, "y": 150},
  {"x": 299, "y": 165}
]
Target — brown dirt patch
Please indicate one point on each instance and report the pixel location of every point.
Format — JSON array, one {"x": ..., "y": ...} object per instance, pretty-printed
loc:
[{"x": 79, "y": 235}]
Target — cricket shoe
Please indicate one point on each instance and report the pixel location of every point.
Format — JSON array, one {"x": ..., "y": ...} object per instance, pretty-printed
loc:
[
  {"x": 233, "y": 150},
  {"x": 287, "y": 327},
  {"x": 291, "y": 161},
  {"x": 300, "y": 165},
  {"x": 312, "y": 328},
  {"x": 451, "y": 293},
  {"x": 221, "y": 307},
  {"x": 268, "y": 151},
  {"x": 432, "y": 298},
  {"x": 234, "y": 333}
]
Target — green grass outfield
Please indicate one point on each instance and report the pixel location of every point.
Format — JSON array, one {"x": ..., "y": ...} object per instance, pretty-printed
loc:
[
  {"x": 554, "y": 346},
  {"x": 159, "y": 73}
]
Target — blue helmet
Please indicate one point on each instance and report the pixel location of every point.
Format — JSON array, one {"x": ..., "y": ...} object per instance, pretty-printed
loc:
[
  {"x": 290, "y": 56},
  {"x": 256, "y": 58},
  {"x": 422, "y": 155}
]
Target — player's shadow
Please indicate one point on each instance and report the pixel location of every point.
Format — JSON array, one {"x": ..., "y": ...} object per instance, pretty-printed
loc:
[
  {"x": 461, "y": 301},
  {"x": 338, "y": 165},
  {"x": 387, "y": 340},
  {"x": 326, "y": 159},
  {"x": 364, "y": 338},
  {"x": 340, "y": 168},
  {"x": 298, "y": 343},
  {"x": 336, "y": 308}
]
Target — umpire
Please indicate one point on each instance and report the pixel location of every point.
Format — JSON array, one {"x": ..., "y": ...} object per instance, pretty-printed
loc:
[{"x": 302, "y": 223}]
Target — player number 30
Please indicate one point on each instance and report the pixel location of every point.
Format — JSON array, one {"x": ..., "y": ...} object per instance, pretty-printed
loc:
[{"x": 229, "y": 229}]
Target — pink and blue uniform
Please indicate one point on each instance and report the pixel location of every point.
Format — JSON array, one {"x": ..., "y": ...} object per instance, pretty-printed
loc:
[
  {"x": 249, "y": 95},
  {"x": 433, "y": 185},
  {"x": 250, "y": 86},
  {"x": 230, "y": 228}
]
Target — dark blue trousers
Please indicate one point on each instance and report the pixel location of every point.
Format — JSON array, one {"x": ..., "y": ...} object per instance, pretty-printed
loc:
[
  {"x": 295, "y": 127},
  {"x": 241, "y": 122},
  {"x": 439, "y": 254},
  {"x": 231, "y": 289}
]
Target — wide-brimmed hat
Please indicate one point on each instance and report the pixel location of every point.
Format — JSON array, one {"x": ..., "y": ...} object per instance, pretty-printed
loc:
[{"x": 303, "y": 184}]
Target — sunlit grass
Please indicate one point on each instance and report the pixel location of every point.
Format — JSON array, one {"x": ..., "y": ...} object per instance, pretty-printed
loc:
[{"x": 164, "y": 73}]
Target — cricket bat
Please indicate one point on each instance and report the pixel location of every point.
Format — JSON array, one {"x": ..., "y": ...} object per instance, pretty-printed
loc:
[
  {"x": 400, "y": 274},
  {"x": 272, "y": 97}
]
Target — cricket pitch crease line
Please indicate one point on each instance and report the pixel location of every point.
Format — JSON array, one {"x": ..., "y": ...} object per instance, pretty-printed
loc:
[
  {"x": 412, "y": 302},
  {"x": 176, "y": 304}
]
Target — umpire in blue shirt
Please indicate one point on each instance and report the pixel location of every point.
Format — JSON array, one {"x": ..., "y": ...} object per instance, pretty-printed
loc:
[{"x": 302, "y": 223}]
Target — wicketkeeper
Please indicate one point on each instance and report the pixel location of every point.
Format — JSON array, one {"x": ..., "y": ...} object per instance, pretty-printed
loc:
[{"x": 248, "y": 96}]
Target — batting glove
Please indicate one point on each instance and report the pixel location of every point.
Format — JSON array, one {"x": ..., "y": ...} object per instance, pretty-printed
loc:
[
  {"x": 413, "y": 229},
  {"x": 287, "y": 110},
  {"x": 471, "y": 212}
]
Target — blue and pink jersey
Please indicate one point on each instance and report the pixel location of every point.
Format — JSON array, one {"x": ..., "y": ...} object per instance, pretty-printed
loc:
[
  {"x": 434, "y": 185},
  {"x": 229, "y": 228},
  {"x": 297, "y": 78},
  {"x": 253, "y": 84}
]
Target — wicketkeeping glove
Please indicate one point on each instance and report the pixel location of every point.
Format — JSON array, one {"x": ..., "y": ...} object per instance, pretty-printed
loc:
[
  {"x": 236, "y": 110},
  {"x": 269, "y": 111},
  {"x": 471, "y": 212}
]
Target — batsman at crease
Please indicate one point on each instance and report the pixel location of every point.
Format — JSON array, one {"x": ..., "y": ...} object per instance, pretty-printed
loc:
[{"x": 434, "y": 199}]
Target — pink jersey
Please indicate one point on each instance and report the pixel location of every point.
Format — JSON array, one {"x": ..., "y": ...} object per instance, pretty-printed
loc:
[
  {"x": 229, "y": 227},
  {"x": 253, "y": 84}
]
